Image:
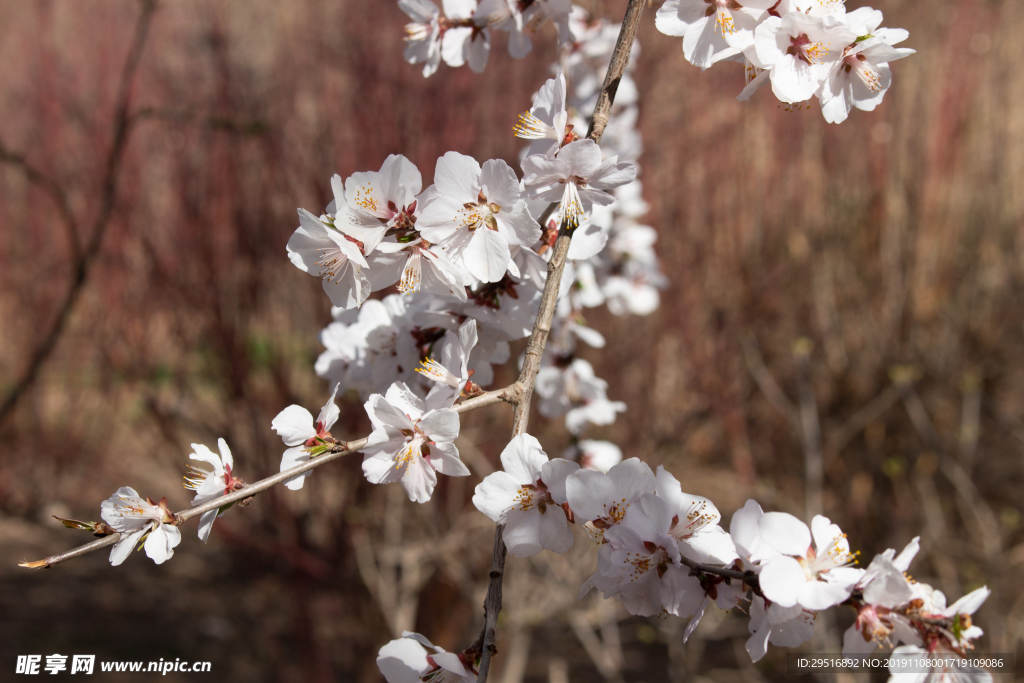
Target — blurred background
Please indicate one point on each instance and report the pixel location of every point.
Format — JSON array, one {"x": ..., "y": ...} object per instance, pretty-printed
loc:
[{"x": 843, "y": 332}]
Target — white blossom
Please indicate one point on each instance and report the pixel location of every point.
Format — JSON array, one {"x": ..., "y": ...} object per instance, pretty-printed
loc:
[
  {"x": 136, "y": 519},
  {"x": 695, "y": 523},
  {"x": 527, "y": 497},
  {"x": 782, "y": 626},
  {"x": 547, "y": 122},
  {"x": 453, "y": 370},
  {"x": 712, "y": 30},
  {"x": 210, "y": 484},
  {"x": 467, "y": 39},
  {"x": 304, "y": 437},
  {"x": 600, "y": 500},
  {"x": 643, "y": 565},
  {"x": 599, "y": 456},
  {"x": 477, "y": 214},
  {"x": 323, "y": 251},
  {"x": 577, "y": 178},
  {"x": 799, "y": 50},
  {"x": 422, "y": 35},
  {"x": 860, "y": 79},
  {"x": 413, "y": 658},
  {"x": 814, "y": 578},
  {"x": 412, "y": 440}
]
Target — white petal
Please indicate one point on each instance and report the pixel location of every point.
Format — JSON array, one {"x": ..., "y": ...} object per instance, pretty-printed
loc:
[
  {"x": 294, "y": 425},
  {"x": 441, "y": 425},
  {"x": 225, "y": 453},
  {"x": 554, "y": 473},
  {"x": 330, "y": 413},
  {"x": 487, "y": 255},
  {"x": 587, "y": 241},
  {"x": 582, "y": 156},
  {"x": 523, "y": 458},
  {"x": 819, "y": 595},
  {"x": 785, "y": 533},
  {"x": 681, "y": 593},
  {"x": 124, "y": 546},
  {"x": 587, "y": 492},
  {"x": 402, "y": 661},
  {"x": 206, "y": 524},
  {"x": 292, "y": 458},
  {"x": 445, "y": 459},
  {"x": 499, "y": 183},
  {"x": 458, "y": 176},
  {"x": 522, "y": 534},
  {"x": 781, "y": 579},
  {"x": 161, "y": 542},
  {"x": 554, "y": 531},
  {"x": 496, "y": 495}
]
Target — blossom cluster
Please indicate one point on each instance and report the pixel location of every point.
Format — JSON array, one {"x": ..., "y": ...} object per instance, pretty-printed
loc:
[
  {"x": 470, "y": 248},
  {"x": 462, "y": 33},
  {"x": 805, "y": 48},
  {"x": 663, "y": 552}
]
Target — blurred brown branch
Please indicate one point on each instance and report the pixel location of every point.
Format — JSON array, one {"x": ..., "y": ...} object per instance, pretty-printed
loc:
[{"x": 83, "y": 258}]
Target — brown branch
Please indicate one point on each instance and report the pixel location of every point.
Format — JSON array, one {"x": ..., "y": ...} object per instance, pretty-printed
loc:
[
  {"x": 522, "y": 391},
  {"x": 748, "y": 577},
  {"x": 52, "y": 188},
  {"x": 341, "y": 450},
  {"x": 84, "y": 257}
]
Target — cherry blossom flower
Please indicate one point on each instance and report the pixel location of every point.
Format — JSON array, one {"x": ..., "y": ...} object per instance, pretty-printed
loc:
[
  {"x": 547, "y": 121},
  {"x": 695, "y": 523},
  {"x": 799, "y": 50},
  {"x": 477, "y": 214},
  {"x": 382, "y": 343},
  {"x": 643, "y": 565},
  {"x": 813, "y": 577},
  {"x": 413, "y": 658},
  {"x": 467, "y": 38},
  {"x": 574, "y": 391},
  {"x": 597, "y": 411},
  {"x": 412, "y": 440},
  {"x": 782, "y": 626},
  {"x": 599, "y": 456},
  {"x": 414, "y": 265},
  {"x": 210, "y": 484},
  {"x": 577, "y": 178},
  {"x": 884, "y": 587},
  {"x": 712, "y": 30},
  {"x": 422, "y": 35},
  {"x": 599, "y": 501},
  {"x": 745, "y": 531},
  {"x": 860, "y": 79},
  {"x": 506, "y": 15},
  {"x": 379, "y": 203},
  {"x": 453, "y": 370},
  {"x": 306, "y": 439},
  {"x": 529, "y": 498},
  {"x": 136, "y": 519},
  {"x": 324, "y": 251}
]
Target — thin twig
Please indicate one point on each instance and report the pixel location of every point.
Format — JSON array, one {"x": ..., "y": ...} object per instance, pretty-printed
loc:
[
  {"x": 86, "y": 256},
  {"x": 542, "y": 327},
  {"x": 810, "y": 430},
  {"x": 766, "y": 383},
  {"x": 486, "y": 399}
]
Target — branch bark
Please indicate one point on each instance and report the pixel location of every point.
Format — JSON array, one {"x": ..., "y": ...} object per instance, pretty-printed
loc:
[{"x": 523, "y": 392}]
